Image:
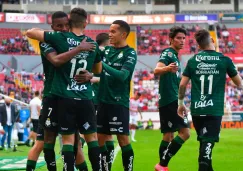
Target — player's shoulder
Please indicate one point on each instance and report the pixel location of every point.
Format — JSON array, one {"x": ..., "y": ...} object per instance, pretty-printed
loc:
[{"x": 168, "y": 52}]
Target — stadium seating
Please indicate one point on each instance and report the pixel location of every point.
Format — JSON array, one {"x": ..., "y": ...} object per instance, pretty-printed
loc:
[{"x": 151, "y": 42}]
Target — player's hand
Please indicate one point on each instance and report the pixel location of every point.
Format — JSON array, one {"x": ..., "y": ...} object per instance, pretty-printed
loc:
[
  {"x": 87, "y": 46},
  {"x": 83, "y": 77},
  {"x": 182, "y": 111},
  {"x": 173, "y": 67}
]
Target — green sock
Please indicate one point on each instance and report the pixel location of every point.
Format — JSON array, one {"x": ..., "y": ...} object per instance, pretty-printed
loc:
[
  {"x": 82, "y": 166},
  {"x": 162, "y": 148},
  {"x": 31, "y": 164},
  {"x": 68, "y": 156},
  {"x": 127, "y": 157}
]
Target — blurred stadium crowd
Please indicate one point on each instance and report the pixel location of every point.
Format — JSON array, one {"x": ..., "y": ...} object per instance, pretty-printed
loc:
[{"x": 149, "y": 41}]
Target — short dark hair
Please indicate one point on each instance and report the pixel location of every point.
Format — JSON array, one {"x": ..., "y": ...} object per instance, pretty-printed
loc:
[
  {"x": 37, "y": 93},
  {"x": 123, "y": 25},
  {"x": 78, "y": 17},
  {"x": 175, "y": 30},
  {"x": 58, "y": 14},
  {"x": 203, "y": 38},
  {"x": 139, "y": 94},
  {"x": 101, "y": 38}
]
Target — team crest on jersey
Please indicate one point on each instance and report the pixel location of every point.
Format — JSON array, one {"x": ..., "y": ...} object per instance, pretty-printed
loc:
[
  {"x": 107, "y": 51},
  {"x": 170, "y": 54},
  {"x": 48, "y": 122},
  {"x": 120, "y": 55}
]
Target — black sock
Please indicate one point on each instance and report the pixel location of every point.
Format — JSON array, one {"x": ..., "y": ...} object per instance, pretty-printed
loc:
[
  {"x": 50, "y": 156},
  {"x": 110, "y": 156},
  {"x": 30, "y": 165},
  {"x": 75, "y": 150},
  {"x": 83, "y": 141},
  {"x": 210, "y": 167},
  {"x": 127, "y": 157},
  {"x": 68, "y": 157},
  {"x": 171, "y": 150},
  {"x": 94, "y": 155},
  {"x": 82, "y": 166},
  {"x": 162, "y": 148},
  {"x": 206, "y": 156},
  {"x": 104, "y": 154}
]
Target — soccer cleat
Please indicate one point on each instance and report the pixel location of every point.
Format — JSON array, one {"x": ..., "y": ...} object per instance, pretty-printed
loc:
[
  {"x": 133, "y": 140},
  {"x": 158, "y": 167}
]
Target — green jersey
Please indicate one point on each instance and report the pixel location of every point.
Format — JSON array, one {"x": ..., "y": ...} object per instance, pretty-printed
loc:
[
  {"x": 48, "y": 68},
  {"x": 207, "y": 71},
  {"x": 169, "y": 82},
  {"x": 64, "y": 84},
  {"x": 95, "y": 87},
  {"x": 113, "y": 91}
]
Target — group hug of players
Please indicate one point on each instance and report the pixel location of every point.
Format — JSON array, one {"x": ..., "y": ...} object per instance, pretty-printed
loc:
[{"x": 73, "y": 62}]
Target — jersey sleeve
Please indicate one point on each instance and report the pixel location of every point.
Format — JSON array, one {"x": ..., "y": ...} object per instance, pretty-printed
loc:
[
  {"x": 165, "y": 58},
  {"x": 46, "y": 48},
  {"x": 98, "y": 54},
  {"x": 231, "y": 69},
  {"x": 186, "y": 71},
  {"x": 52, "y": 37},
  {"x": 131, "y": 61}
]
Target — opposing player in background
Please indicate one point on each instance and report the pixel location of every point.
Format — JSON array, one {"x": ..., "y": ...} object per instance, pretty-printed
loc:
[
  {"x": 168, "y": 68},
  {"x": 134, "y": 112},
  {"x": 75, "y": 107},
  {"x": 207, "y": 71},
  {"x": 48, "y": 118},
  {"x": 35, "y": 108},
  {"x": 118, "y": 64}
]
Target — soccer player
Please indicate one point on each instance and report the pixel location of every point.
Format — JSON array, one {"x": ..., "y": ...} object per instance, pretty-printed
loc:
[
  {"x": 48, "y": 118},
  {"x": 102, "y": 40},
  {"x": 168, "y": 68},
  {"x": 134, "y": 111},
  {"x": 207, "y": 71},
  {"x": 118, "y": 64},
  {"x": 75, "y": 106},
  {"x": 35, "y": 107}
]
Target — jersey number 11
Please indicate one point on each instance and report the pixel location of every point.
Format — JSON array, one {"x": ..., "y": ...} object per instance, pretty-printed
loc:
[{"x": 210, "y": 78}]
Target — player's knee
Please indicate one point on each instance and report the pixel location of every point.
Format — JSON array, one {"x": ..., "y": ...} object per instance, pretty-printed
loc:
[
  {"x": 123, "y": 140},
  {"x": 38, "y": 147},
  {"x": 185, "y": 133},
  {"x": 68, "y": 139},
  {"x": 169, "y": 136},
  {"x": 91, "y": 137}
]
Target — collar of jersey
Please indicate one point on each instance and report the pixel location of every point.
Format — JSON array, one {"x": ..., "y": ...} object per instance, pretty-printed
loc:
[
  {"x": 77, "y": 36},
  {"x": 173, "y": 50},
  {"x": 120, "y": 47}
]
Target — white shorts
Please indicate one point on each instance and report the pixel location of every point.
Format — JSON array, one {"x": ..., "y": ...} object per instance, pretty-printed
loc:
[{"x": 133, "y": 119}]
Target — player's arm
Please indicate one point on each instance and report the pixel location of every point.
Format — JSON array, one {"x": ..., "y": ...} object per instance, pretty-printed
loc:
[
  {"x": 162, "y": 69},
  {"x": 126, "y": 70},
  {"x": 60, "y": 59},
  {"x": 38, "y": 109},
  {"x": 140, "y": 113},
  {"x": 181, "y": 94},
  {"x": 95, "y": 80},
  {"x": 237, "y": 80},
  {"x": 36, "y": 33},
  {"x": 233, "y": 73},
  {"x": 165, "y": 64},
  {"x": 97, "y": 68}
]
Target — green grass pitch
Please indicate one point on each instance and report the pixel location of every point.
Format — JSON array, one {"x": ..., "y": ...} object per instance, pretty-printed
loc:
[{"x": 227, "y": 154}]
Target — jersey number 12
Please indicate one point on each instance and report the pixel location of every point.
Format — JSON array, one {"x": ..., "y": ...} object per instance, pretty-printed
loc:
[
  {"x": 74, "y": 61},
  {"x": 210, "y": 78}
]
